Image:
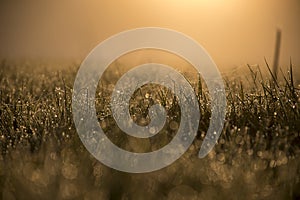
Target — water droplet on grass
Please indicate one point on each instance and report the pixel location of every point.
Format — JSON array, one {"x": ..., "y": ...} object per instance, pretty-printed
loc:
[
  {"x": 174, "y": 125},
  {"x": 152, "y": 130}
]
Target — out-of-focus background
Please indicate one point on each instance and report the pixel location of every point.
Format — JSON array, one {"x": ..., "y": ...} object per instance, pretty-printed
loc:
[{"x": 234, "y": 32}]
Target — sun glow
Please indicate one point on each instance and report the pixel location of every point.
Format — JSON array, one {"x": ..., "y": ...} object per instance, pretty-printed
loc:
[{"x": 207, "y": 3}]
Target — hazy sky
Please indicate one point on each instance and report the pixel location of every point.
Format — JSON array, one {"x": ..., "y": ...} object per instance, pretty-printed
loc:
[{"x": 234, "y": 32}]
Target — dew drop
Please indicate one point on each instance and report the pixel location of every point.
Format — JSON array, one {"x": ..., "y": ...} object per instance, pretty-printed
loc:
[{"x": 152, "y": 130}]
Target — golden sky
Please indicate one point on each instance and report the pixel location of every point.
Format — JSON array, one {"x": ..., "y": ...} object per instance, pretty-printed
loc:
[{"x": 234, "y": 32}]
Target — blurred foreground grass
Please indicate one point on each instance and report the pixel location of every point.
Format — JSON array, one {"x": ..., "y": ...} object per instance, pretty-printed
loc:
[{"x": 257, "y": 155}]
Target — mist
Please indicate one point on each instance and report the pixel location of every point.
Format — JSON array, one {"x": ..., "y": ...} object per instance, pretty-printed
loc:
[{"x": 233, "y": 32}]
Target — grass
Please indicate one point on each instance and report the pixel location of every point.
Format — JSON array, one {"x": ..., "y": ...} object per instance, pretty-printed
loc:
[{"x": 260, "y": 138}]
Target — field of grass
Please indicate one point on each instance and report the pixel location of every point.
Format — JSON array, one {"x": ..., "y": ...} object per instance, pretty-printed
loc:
[{"x": 42, "y": 157}]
